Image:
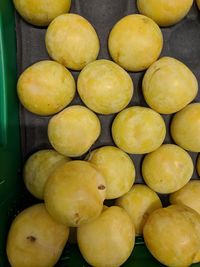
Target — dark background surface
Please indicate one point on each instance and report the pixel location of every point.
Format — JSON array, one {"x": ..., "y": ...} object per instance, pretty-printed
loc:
[{"x": 181, "y": 41}]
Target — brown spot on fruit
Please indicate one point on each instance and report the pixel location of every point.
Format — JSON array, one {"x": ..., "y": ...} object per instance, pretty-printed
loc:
[
  {"x": 101, "y": 187},
  {"x": 31, "y": 238}
]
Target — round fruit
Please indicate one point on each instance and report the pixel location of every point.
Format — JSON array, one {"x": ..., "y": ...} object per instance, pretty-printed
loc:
[
  {"x": 72, "y": 41},
  {"x": 139, "y": 202},
  {"x": 169, "y": 85},
  {"x": 108, "y": 240},
  {"x": 135, "y": 42},
  {"x": 35, "y": 239},
  {"x": 138, "y": 130},
  {"x": 74, "y": 130},
  {"x": 38, "y": 168},
  {"x": 117, "y": 168},
  {"x": 172, "y": 235},
  {"x": 74, "y": 193},
  {"x": 105, "y": 87},
  {"x": 45, "y": 88},
  {"x": 185, "y": 127},
  {"x": 41, "y": 12},
  {"x": 167, "y": 169},
  {"x": 165, "y": 13},
  {"x": 189, "y": 195}
]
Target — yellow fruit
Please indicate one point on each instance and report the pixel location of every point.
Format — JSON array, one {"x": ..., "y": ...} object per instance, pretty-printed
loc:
[
  {"x": 74, "y": 193},
  {"x": 72, "y": 41},
  {"x": 169, "y": 85},
  {"x": 167, "y": 169},
  {"x": 45, "y": 88},
  {"x": 35, "y": 239},
  {"x": 138, "y": 130},
  {"x": 39, "y": 167},
  {"x": 188, "y": 195},
  {"x": 198, "y": 3},
  {"x": 165, "y": 13},
  {"x": 74, "y": 130},
  {"x": 108, "y": 240},
  {"x": 117, "y": 168},
  {"x": 139, "y": 202},
  {"x": 194, "y": 218},
  {"x": 41, "y": 12},
  {"x": 105, "y": 87},
  {"x": 172, "y": 235},
  {"x": 185, "y": 127},
  {"x": 135, "y": 42}
]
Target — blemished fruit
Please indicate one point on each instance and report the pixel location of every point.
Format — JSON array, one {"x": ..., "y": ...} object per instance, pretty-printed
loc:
[
  {"x": 117, "y": 168},
  {"x": 169, "y": 85},
  {"x": 105, "y": 87},
  {"x": 172, "y": 235},
  {"x": 74, "y": 130},
  {"x": 39, "y": 167},
  {"x": 72, "y": 41},
  {"x": 35, "y": 239},
  {"x": 108, "y": 240},
  {"x": 185, "y": 127},
  {"x": 45, "y": 88},
  {"x": 167, "y": 169},
  {"x": 138, "y": 130},
  {"x": 139, "y": 202},
  {"x": 165, "y": 13},
  {"x": 41, "y": 12},
  {"x": 188, "y": 195},
  {"x": 135, "y": 42},
  {"x": 74, "y": 193}
]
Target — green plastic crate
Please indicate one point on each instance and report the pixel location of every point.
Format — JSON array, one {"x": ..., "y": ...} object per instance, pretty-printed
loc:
[{"x": 13, "y": 195}]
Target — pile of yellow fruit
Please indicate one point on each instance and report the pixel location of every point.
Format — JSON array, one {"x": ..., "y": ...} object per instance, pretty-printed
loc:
[{"x": 73, "y": 192}]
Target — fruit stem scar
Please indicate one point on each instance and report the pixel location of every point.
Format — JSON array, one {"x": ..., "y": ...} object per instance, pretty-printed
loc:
[
  {"x": 31, "y": 238},
  {"x": 77, "y": 217}
]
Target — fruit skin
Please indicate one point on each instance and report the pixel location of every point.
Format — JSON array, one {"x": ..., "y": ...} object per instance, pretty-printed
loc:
[
  {"x": 198, "y": 4},
  {"x": 105, "y": 87},
  {"x": 185, "y": 127},
  {"x": 72, "y": 41},
  {"x": 117, "y": 168},
  {"x": 108, "y": 240},
  {"x": 39, "y": 167},
  {"x": 35, "y": 239},
  {"x": 169, "y": 85},
  {"x": 135, "y": 42},
  {"x": 164, "y": 13},
  {"x": 172, "y": 235},
  {"x": 139, "y": 202},
  {"x": 41, "y": 12},
  {"x": 74, "y": 130},
  {"x": 45, "y": 88},
  {"x": 74, "y": 193},
  {"x": 167, "y": 169},
  {"x": 188, "y": 195},
  {"x": 138, "y": 130}
]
